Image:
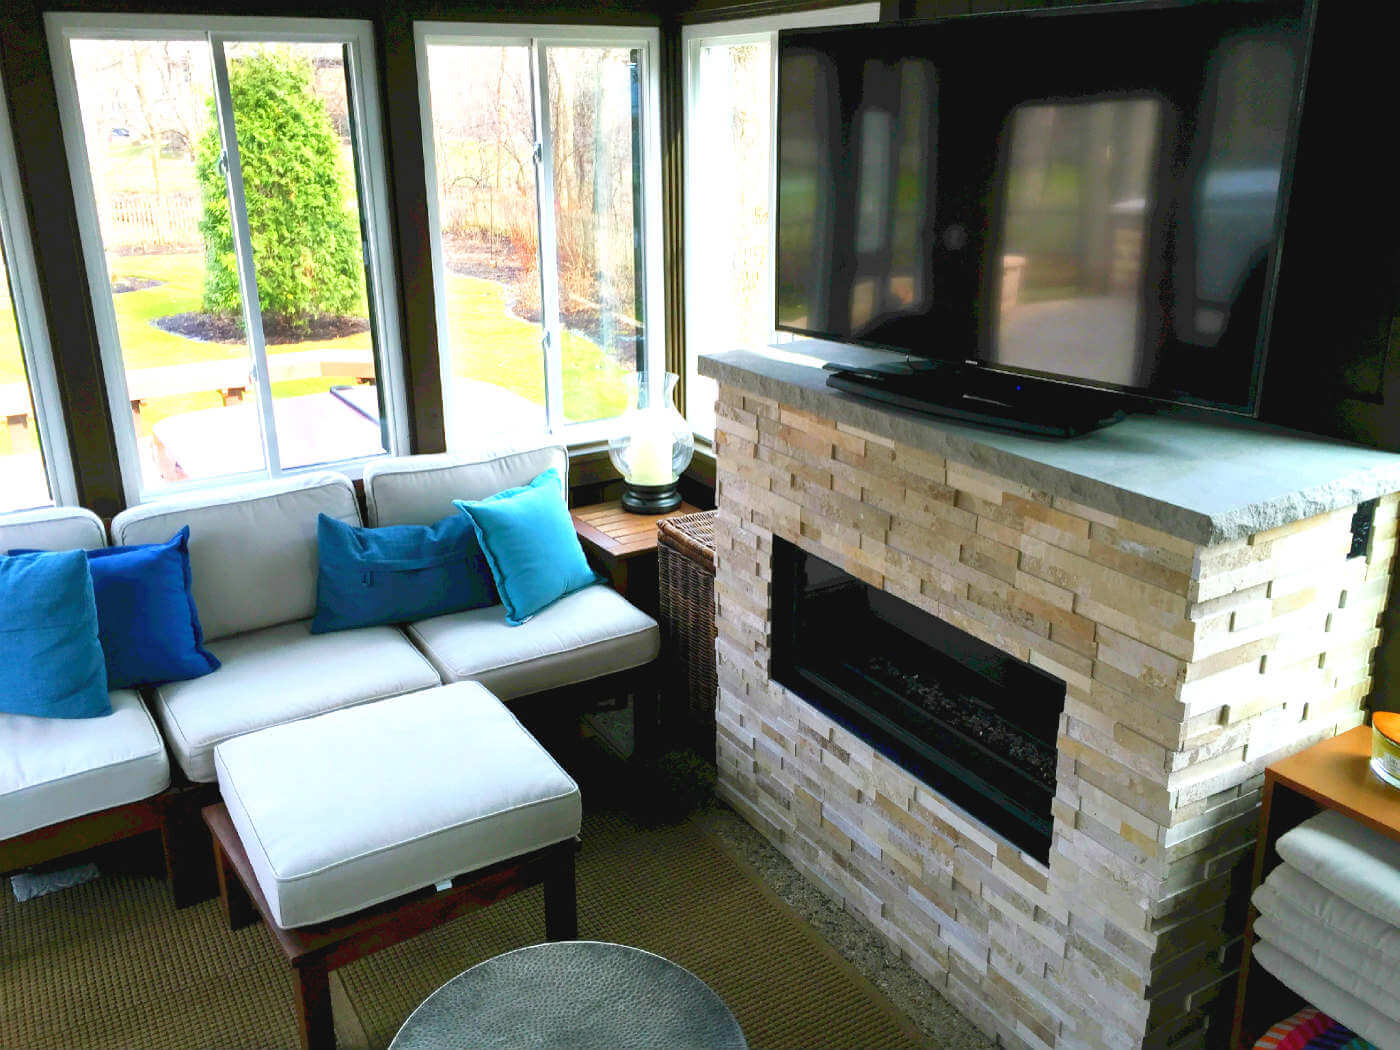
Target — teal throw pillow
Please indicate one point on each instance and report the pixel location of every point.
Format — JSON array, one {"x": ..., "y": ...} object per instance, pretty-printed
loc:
[
  {"x": 50, "y": 659},
  {"x": 397, "y": 573},
  {"x": 529, "y": 541}
]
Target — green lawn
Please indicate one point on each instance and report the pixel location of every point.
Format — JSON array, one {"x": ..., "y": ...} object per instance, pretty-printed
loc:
[{"x": 489, "y": 344}]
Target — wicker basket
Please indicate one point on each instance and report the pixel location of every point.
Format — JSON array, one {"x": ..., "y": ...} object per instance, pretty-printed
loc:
[{"x": 686, "y": 569}]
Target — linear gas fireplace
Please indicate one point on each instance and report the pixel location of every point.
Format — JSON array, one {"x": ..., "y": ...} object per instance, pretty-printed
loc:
[
  {"x": 974, "y": 723},
  {"x": 908, "y": 769}
]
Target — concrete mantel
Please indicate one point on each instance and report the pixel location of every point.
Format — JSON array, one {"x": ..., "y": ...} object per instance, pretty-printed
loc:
[{"x": 1204, "y": 477}]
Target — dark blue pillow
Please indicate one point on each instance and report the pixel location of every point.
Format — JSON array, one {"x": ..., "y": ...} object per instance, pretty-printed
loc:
[
  {"x": 530, "y": 544},
  {"x": 145, "y": 613},
  {"x": 50, "y": 660},
  {"x": 397, "y": 573}
]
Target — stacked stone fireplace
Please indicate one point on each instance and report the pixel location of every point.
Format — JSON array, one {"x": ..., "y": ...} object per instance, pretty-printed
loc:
[{"x": 1187, "y": 666}]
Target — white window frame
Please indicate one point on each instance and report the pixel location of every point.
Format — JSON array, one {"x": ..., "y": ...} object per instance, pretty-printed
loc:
[
  {"x": 539, "y": 38},
  {"x": 741, "y": 31},
  {"x": 372, "y": 189},
  {"x": 35, "y": 348}
]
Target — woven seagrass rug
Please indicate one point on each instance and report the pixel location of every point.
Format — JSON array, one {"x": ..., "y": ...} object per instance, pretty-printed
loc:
[{"x": 112, "y": 963}]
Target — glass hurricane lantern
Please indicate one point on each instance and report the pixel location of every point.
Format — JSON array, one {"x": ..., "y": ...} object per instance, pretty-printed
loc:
[{"x": 653, "y": 445}]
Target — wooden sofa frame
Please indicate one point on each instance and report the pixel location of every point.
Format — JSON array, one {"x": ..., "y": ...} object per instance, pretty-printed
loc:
[{"x": 79, "y": 834}]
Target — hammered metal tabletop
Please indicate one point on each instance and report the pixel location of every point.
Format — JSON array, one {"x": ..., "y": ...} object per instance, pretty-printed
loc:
[{"x": 573, "y": 994}]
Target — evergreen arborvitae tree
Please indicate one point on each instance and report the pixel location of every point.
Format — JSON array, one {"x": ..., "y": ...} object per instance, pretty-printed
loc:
[{"x": 306, "y": 240}]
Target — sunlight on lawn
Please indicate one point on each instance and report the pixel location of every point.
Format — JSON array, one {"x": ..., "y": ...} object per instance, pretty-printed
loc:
[
  {"x": 492, "y": 346},
  {"x": 11, "y": 371},
  {"x": 11, "y": 364},
  {"x": 488, "y": 343}
]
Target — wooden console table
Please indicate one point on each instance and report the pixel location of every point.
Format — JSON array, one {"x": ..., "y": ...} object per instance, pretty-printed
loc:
[
  {"x": 622, "y": 546},
  {"x": 1333, "y": 774}
]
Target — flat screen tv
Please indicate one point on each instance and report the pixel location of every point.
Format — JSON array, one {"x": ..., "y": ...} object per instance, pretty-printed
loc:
[{"x": 1091, "y": 196}]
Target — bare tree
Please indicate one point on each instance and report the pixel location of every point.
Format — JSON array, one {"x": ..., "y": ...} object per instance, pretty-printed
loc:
[{"x": 136, "y": 63}]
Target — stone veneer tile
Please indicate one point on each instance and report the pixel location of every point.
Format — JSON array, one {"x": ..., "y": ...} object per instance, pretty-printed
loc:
[{"x": 1189, "y": 669}]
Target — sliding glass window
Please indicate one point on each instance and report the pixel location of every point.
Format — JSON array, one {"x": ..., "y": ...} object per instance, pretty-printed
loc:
[
  {"x": 542, "y": 147},
  {"x": 233, "y": 208},
  {"x": 34, "y": 467},
  {"x": 730, "y": 138}
]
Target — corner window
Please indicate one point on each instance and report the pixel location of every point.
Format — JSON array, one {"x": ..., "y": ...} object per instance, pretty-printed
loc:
[
  {"x": 34, "y": 466},
  {"x": 542, "y": 148},
  {"x": 731, "y": 96},
  {"x": 232, "y": 201}
]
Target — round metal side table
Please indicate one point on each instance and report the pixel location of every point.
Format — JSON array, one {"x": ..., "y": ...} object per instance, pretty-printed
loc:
[{"x": 575, "y": 994}]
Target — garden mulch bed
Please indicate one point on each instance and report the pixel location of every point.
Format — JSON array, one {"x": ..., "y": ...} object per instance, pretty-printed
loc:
[
  {"x": 485, "y": 259},
  {"x": 228, "y": 328},
  {"x": 134, "y": 284}
]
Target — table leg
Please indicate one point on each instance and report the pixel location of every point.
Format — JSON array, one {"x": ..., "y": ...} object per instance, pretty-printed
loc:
[
  {"x": 314, "y": 1006},
  {"x": 617, "y": 576},
  {"x": 560, "y": 899},
  {"x": 647, "y": 734},
  {"x": 238, "y": 905}
]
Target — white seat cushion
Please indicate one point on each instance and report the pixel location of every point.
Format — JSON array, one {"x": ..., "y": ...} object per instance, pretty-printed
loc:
[
  {"x": 356, "y": 807},
  {"x": 280, "y": 674},
  {"x": 54, "y": 769},
  {"x": 587, "y": 634}
]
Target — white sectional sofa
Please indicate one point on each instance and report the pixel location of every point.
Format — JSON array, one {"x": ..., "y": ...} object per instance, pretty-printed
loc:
[
  {"x": 80, "y": 780},
  {"x": 253, "y": 559},
  {"x": 253, "y": 563},
  {"x": 587, "y": 635}
]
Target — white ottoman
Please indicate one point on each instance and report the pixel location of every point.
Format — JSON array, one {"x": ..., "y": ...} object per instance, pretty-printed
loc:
[
  {"x": 362, "y": 805},
  {"x": 355, "y": 830}
]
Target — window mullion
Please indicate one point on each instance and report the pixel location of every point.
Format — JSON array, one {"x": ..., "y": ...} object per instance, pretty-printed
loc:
[
  {"x": 770, "y": 291},
  {"x": 243, "y": 252},
  {"x": 548, "y": 241}
]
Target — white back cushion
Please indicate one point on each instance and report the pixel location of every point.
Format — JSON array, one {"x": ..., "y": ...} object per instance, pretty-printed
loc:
[
  {"x": 52, "y": 529},
  {"x": 252, "y": 548},
  {"x": 419, "y": 490}
]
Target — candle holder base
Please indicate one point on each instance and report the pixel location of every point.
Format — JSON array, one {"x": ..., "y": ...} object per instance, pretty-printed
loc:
[{"x": 650, "y": 499}]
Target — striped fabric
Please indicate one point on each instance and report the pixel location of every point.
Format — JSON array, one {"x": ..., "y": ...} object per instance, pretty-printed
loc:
[{"x": 1311, "y": 1029}]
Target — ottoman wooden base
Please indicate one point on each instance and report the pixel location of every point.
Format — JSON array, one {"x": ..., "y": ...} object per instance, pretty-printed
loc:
[{"x": 314, "y": 951}]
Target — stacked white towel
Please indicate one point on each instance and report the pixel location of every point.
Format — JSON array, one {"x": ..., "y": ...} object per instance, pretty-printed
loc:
[{"x": 1329, "y": 923}]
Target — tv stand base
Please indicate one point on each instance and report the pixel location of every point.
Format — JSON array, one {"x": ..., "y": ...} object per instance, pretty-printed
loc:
[{"x": 1009, "y": 402}]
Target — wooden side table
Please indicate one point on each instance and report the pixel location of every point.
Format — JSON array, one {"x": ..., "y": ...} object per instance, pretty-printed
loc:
[
  {"x": 622, "y": 546},
  {"x": 1332, "y": 774}
]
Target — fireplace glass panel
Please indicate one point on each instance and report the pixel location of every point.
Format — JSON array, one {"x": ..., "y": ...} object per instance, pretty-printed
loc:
[{"x": 973, "y": 722}]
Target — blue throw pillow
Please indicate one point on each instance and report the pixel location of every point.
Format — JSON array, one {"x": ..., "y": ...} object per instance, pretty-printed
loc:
[
  {"x": 530, "y": 544},
  {"x": 50, "y": 660},
  {"x": 397, "y": 573},
  {"x": 146, "y": 618},
  {"x": 146, "y": 615}
]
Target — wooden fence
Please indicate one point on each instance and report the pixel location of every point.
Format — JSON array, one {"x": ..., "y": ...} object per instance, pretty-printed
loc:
[
  {"x": 144, "y": 222},
  {"x": 147, "y": 222}
]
